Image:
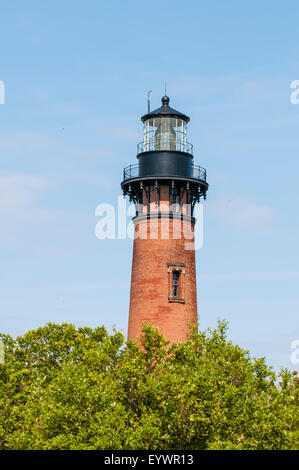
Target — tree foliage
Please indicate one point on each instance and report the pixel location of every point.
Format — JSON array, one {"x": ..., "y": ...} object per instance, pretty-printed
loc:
[{"x": 63, "y": 387}]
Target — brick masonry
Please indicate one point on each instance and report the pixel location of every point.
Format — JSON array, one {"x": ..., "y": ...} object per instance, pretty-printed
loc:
[{"x": 154, "y": 258}]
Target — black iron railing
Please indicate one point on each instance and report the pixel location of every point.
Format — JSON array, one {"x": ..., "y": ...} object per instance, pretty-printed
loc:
[
  {"x": 195, "y": 172},
  {"x": 165, "y": 144}
]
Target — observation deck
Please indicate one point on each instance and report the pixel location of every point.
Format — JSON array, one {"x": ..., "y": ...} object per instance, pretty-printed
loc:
[{"x": 165, "y": 157}]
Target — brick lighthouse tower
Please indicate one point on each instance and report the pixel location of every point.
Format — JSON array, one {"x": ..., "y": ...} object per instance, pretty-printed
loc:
[{"x": 165, "y": 185}]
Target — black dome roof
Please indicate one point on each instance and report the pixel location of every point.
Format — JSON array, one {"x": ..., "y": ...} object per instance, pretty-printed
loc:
[{"x": 165, "y": 111}]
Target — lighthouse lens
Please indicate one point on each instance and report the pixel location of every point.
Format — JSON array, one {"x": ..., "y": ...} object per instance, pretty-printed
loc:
[{"x": 165, "y": 135}]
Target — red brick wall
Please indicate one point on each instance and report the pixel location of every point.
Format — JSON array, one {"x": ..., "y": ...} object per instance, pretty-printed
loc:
[{"x": 150, "y": 282}]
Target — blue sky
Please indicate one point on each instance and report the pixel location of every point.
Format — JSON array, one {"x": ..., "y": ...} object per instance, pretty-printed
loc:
[{"x": 76, "y": 77}]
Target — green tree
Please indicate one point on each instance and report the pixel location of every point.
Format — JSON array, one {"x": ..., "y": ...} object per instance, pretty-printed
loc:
[{"x": 68, "y": 388}]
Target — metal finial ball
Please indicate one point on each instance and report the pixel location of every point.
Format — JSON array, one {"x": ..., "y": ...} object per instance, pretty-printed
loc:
[{"x": 165, "y": 100}]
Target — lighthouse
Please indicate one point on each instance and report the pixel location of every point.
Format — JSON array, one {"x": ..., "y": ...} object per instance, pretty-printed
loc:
[{"x": 165, "y": 186}]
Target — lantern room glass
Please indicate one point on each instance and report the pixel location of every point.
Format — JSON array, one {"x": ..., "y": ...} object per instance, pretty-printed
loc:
[{"x": 165, "y": 133}]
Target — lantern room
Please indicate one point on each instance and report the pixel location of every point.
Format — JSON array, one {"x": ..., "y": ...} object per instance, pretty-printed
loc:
[{"x": 165, "y": 129}]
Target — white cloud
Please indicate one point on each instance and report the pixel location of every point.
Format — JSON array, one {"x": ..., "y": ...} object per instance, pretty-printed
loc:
[
  {"x": 201, "y": 86},
  {"x": 18, "y": 190},
  {"x": 56, "y": 157},
  {"x": 236, "y": 88},
  {"x": 121, "y": 132},
  {"x": 25, "y": 223},
  {"x": 244, "y": 214},
  {"x": 24, "y": 143},
  {"x": 250, "y": 276}
]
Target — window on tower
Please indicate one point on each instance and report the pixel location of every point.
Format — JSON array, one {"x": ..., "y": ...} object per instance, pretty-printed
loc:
[
  {"x": 175, "y": 284},
  {"x": 176, "y": 273}
]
